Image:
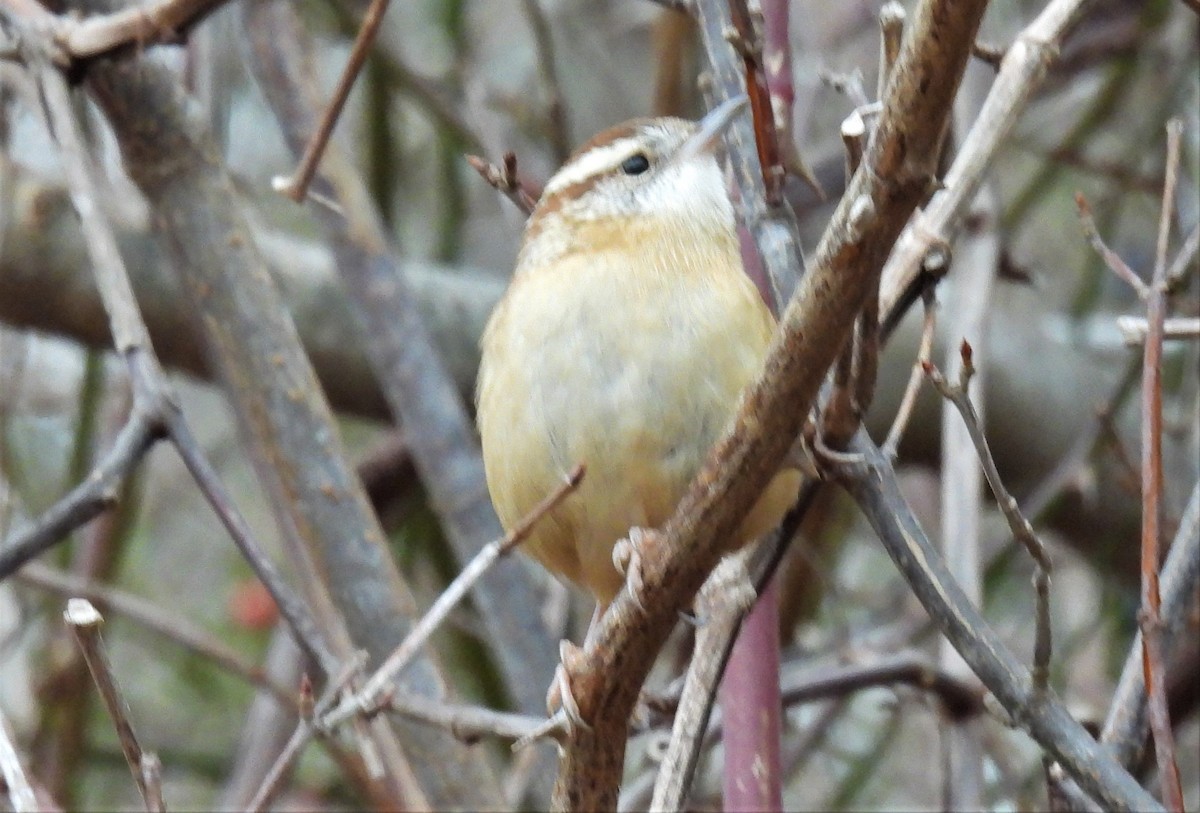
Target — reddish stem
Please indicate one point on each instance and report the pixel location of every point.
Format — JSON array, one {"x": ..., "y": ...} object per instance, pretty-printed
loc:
[{"x": 751, "y": 708}]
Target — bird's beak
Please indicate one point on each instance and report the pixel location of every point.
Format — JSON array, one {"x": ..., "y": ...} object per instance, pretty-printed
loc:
[{"x": 709, "y": 129}]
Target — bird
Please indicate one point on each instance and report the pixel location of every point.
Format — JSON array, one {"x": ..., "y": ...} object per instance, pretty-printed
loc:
[{"x": 624, "y": 342}]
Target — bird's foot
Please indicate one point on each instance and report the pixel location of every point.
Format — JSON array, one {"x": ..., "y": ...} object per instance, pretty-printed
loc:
[
  {"x": 627, "y": 558},
  {"x": 560, "y": 699}
]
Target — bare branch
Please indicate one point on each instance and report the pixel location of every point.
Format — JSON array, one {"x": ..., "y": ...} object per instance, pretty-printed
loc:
[
  {"x": 20, "y": 792},
  {"x": 84, "y": 623},
  {"x": 504, "y": 179},
  {"x": 894, "y": 177},
  {"x": 94, "y": 495},
  {"x": 1020, "y": 527},
  {"x": 924, "y": 356},
  {"x": 468, "y": 723},
  {"x": 1025, "y": 64},
  {"x": 296, "y": 187},
  {"x": 723, "y": 601},
  {"x": 154, "y": 618},
  {"x": 1149, "y": 616},
  {"x": 1110, "y": 257},
  {"x": 872, "y": 484},
  {"x": 1134, "y": 329},
  {"x": 156, "y": 21},
  {"x": 1126, "y": 726},
  {"x": 373, "y": 693}
]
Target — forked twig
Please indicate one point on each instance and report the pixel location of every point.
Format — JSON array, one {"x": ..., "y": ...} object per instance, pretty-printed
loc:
[
  {"x": 504, "y": 178},
  {"x": 1020, "y": 527},
  {"x": 373, "y": 694},
  {"x": 1110, "y": 257}
]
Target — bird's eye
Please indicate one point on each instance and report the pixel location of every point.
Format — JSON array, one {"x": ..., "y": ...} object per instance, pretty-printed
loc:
[{"x": 635, "y": 164}]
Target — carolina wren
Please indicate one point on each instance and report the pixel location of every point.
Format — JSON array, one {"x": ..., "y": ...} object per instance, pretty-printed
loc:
[{"x": 623, "y": 342}]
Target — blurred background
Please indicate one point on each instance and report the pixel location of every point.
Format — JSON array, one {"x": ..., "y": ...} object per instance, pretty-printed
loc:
[{"x": 451, "y": 77}]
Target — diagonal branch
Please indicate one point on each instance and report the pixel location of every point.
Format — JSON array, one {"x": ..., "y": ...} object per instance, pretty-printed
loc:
[
  {"x": 1024, "y": 67},
  {"x": 895, "y": 174},
  {"x": 871, "y": 482},
  {"x": 1126, "y": 725},
  {"x": 439, "y": 431}
]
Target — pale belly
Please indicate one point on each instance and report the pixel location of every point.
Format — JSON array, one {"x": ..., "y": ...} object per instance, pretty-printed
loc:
[{"x": 635, "y": 388}]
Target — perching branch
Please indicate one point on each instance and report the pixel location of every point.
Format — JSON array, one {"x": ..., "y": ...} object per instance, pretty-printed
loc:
[{"x": 895, "y": 175}]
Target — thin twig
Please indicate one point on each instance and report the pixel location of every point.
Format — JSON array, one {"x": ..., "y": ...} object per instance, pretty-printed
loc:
[
  {"x": 773, "y": 227},
  {"x": 909, "y": 400},
  {"x": 152, "y": 779},
  {"x": 1126, "y": 725},
  {"x": 20, "y": 792},
  {"x": 155, "y": 618},
  {"x": 723, "y": 602},
  {"x": 84, "y": 622},
  {"x": 93, "y": 495},
  {"x": 368, "y": 699},
  {"x": 1110, "y": 257},
  {"x": 556, "y": 117},
  {"x": 1186, "y": 256},
  {"x": 1134, "y": 329},
  {"x": 296, "y": 187},
  {"x": 505, "y": 179},
  {"x": 310, "y": 637},
  {"x": 307, "y": 728},
  {"x": 777, "y": 65},
  {"x": 468, "y": 723},
  {"x": 1020, "y": 527},
  {"x": 806, "y": 684},
  {"x": 141, "y": 25},
  {"x": 873, "y": 485},
  {"x": 1150, "y": 615},
  {"x": 747, "y": 42},
  {"x": 154, "y": 410}
]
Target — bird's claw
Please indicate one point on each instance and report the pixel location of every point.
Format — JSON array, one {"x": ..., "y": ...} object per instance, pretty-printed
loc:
[
  {"x": 560, "y": 700},
  {"x": 627, "y": 559}
]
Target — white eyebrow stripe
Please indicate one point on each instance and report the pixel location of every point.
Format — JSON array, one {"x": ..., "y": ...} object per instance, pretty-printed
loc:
[{"x": 591, "y": 163}]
